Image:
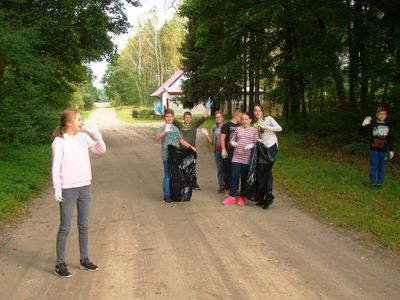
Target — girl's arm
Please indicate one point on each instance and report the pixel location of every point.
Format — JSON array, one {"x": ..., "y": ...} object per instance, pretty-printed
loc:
[
  {"x": 100, "y": 146},
  {"x": 57, "y": 149},
  {"x": 211, "y": 138},
  {"x": 273, "y": 125},
  {"x": 234, "y": 136}
]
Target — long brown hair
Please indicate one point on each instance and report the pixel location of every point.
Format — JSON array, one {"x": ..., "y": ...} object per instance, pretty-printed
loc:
[
  {"x": 218, "y": 112},
  {"x": 261, "y": 108},
  {"x": 66, "y": 116}
]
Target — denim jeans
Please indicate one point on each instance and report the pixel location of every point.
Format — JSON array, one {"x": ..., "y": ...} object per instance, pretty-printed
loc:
[
  {"x": 219, "y": 161},
  {"x": 238, "y": 171},
  {"x": 228, "y": 169},
  {"x": 377, "y": 166},
  {"x": 166, "y": 181}
]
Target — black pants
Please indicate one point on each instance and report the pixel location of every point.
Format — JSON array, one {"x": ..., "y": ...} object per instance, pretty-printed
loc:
[
  {"x": 228, "y": 169},
  {"x": 264, "y": 177}
]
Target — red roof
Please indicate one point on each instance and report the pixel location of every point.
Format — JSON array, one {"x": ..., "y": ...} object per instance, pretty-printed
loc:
[{"x": 178, "y": 74}]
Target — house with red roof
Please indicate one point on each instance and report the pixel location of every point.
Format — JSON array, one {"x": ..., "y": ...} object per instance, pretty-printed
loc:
[{"x": 167, "y": 94}]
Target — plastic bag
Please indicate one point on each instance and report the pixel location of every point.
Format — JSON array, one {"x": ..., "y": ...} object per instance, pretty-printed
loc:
[
  {"x": 261, "y": 155},
  {"x": 264, "y": 156},
  {"x": 250, "y": 189},
  {"x": 182, "y": 173}
]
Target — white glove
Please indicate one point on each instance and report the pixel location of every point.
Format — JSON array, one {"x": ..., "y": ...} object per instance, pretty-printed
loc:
[
  {"x": 58, "y": 196},
  {"x": 204, "y": 131},
  {"x": 224, "y": 154},
  {"x": 261, "y": 123},
  {"x": 248, "y": 147},
  {"x": 366, "y": 121},
  {"x": 168, "y": 127},
  {"x": 90, "y": 126},
  {"x": 391, "y": 154},
  {"x": 233, "y": 143}
]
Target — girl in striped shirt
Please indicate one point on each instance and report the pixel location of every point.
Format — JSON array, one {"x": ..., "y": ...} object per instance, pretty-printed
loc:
[{"x": 243, "y": 140}]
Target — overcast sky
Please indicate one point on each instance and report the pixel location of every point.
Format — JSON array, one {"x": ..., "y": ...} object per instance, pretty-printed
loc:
[{"x": 134, "y": 14}]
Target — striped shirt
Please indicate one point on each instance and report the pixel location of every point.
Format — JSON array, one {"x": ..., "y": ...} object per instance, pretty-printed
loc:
[{"x": 244, "y": 137}]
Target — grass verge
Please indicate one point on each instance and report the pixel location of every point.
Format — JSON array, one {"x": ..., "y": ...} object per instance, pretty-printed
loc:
[
  {"x": 85, "y": 113},
  {"x": 124, "y": 114},
  {"x": 24, "y": 172},
  {"x": 336, "y": 187}
]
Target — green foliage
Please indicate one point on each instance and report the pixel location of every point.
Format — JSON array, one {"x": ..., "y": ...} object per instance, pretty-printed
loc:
[
  {"x": 310, "y": 56},
  {"x": 149, "y": 59},
  {"x": 25, "y": 170},
  {"x": 44, "y": 48}
]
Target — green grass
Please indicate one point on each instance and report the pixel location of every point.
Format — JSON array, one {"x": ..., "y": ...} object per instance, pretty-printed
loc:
[
  {"x": 24, "y": 172},
  {"x": 336, "y": 187},
  {"x": 124, "y": 114},
  {"x": 85, "y": 113}
]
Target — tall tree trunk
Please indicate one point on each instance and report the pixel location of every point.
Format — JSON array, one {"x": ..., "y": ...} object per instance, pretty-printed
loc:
[
  {"x": 363, "y": 59},
  {"x": 245, "y": 75},
  {"x": 251, "y": 88},
  {"x": 257, "y": 86},
  {"x": 229, "y": 107},
  {"x": 292, "y": 105},
  {"x": 2, "y": 68},
  {"x": 353, "y": 55},
  {"x": 302, "y": 96},
  {"x": 333, "y": 65}
]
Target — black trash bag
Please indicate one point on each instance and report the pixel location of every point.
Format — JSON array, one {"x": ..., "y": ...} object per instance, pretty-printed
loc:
[
  {"x": 250, "y": 189},
  {"x": 264, "y": 156},
  {"x": 261, "y": 155},
  {"x": 182, "y": 173}
]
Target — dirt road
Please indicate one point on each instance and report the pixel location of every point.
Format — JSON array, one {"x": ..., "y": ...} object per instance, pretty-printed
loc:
[{"x": 192, "y": 250}]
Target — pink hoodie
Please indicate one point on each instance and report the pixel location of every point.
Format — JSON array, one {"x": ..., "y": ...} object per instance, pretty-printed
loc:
[{"x": 71, "y": 161}]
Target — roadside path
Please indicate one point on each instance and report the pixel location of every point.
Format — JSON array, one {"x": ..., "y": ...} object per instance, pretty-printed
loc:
[{"x": 192, "y": 250}]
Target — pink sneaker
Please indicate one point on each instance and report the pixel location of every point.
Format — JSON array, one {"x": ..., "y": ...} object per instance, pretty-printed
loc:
[
  {"x": 229, "y": 201},
  {"x": 241, "y": 201}
]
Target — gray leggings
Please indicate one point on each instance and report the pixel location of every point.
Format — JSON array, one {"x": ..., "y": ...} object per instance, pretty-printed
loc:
[{"x": 79, "y": 197}]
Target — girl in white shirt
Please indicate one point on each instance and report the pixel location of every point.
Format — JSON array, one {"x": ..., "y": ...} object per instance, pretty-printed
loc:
[{"x": 267, "y": 128}]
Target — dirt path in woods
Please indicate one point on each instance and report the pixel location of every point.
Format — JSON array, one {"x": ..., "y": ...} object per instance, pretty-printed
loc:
[{"x": 192, "y": 250}]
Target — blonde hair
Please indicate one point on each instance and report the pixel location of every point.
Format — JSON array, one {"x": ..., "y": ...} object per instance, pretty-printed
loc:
[{"x": 66, "y": 116}]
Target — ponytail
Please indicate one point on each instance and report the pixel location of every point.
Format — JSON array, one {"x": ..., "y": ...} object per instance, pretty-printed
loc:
[
  {"x": 66, "y": 116},
  {"x": 58, "y": 132}
]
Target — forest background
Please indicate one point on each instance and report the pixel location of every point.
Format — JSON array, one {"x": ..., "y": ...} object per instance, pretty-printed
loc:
[{"x": 322, "y": 66}]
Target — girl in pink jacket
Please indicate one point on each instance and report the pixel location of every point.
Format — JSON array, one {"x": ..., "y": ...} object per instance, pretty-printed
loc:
[{"x": 71, "y": 174}]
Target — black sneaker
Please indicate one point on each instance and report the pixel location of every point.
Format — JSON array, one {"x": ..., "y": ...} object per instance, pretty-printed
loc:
[
  {"x": 167, "y": 201},
  {"x": 86, "y": 264},
  {"x": 62, "y": 271},
  {"x": 196, "y": 187}
]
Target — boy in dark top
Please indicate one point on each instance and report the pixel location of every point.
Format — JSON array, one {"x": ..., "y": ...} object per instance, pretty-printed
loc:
[
  {"x": 189, "y": 131},
  {"x": 381, "y": 145},
  {"x": 227, "y": 150}
]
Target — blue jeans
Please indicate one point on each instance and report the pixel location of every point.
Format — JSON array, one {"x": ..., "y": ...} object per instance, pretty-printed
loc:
[
  {"x": 219, "y": 161},
  {"x": 166, "y": 181},
  {"x": 377, "y": 166},
  {"x": 238, "y": 171}
]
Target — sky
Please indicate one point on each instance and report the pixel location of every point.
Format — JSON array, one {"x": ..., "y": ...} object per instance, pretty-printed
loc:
[{"x": 134, "y": 14}]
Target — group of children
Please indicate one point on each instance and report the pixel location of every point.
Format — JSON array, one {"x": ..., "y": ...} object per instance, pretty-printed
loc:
[{"x": 233, "y": 143}]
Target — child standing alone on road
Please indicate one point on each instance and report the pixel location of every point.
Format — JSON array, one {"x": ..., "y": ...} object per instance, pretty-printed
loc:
[
  {"x": 169, "y": 134},
  {"x": 243, "y": 140},
  {"x": 381, "y": 145},
  {"x": 71, "y": 174}
]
